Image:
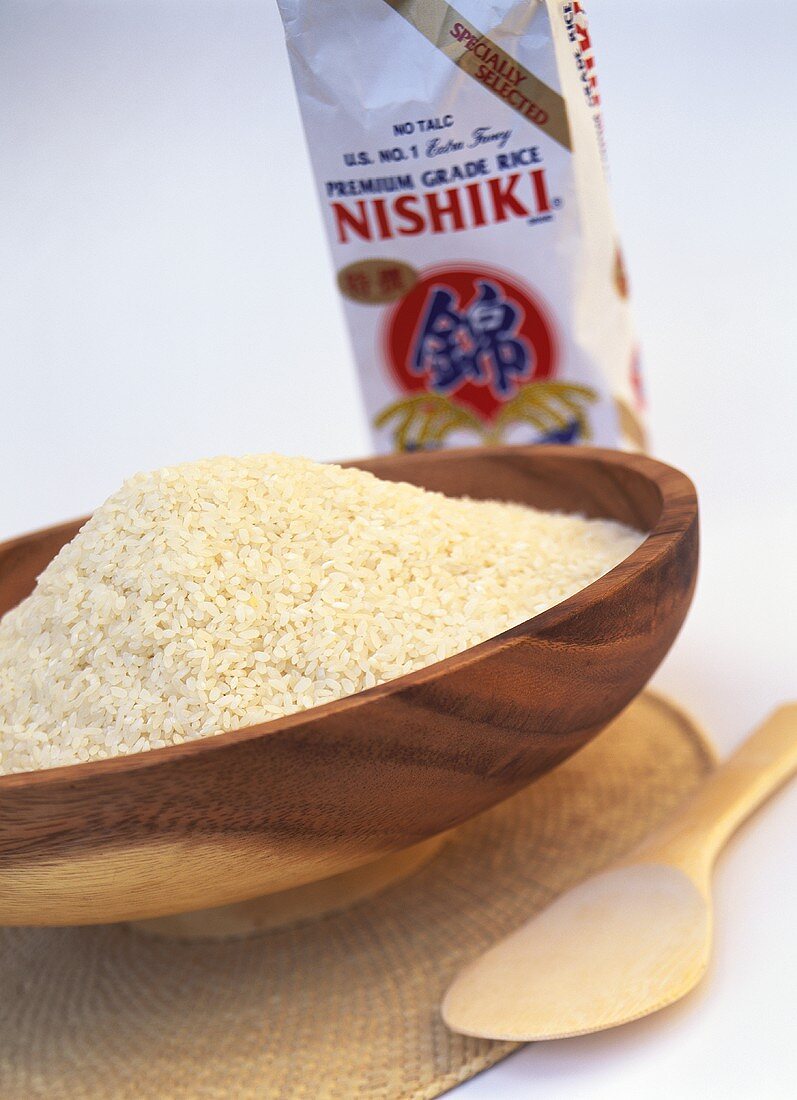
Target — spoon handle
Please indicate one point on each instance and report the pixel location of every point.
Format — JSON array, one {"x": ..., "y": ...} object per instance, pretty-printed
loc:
[{"x": 739, "y": 786}]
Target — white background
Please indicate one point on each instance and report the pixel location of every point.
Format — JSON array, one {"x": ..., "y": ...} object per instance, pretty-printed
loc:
[{"x": 166, "y": 294}]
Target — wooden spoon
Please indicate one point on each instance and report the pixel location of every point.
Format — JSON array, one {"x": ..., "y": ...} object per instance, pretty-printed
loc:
[{"x": 630, "y": 940}]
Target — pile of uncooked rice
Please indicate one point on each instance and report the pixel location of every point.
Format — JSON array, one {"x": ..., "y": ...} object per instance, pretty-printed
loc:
[{"x": 218, "y": 594}]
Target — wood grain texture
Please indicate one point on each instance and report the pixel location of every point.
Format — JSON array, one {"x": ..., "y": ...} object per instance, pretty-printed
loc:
[
  {"x": 269, "y": 912},
  {"x": 634, "y": 939},
  {"x": 271, "y": 807}
]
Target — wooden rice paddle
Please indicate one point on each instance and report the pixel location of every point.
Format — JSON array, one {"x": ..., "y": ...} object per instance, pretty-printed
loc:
[{"x": 635, "y": 938}]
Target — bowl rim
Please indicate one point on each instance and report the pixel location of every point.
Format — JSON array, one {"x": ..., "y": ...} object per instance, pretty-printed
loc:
[{"x": 678, "y": 512}]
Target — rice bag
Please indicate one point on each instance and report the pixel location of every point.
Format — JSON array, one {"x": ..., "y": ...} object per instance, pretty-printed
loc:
[{"x": 459, "y": 160}]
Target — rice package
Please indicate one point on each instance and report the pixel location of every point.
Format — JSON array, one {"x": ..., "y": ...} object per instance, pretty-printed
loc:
[{"x": 459, "y": 160}]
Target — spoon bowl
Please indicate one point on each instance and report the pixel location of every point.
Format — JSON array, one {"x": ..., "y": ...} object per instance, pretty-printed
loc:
[
  {"x": 295, "y": 800},
  {"x": 563, "y": 979}
]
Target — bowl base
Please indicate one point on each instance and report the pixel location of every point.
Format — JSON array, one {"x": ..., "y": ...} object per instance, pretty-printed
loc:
[{"x": 302, "y": 903}]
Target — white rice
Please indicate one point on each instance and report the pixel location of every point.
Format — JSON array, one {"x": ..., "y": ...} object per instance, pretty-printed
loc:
[{"x": 218, "y": 594}]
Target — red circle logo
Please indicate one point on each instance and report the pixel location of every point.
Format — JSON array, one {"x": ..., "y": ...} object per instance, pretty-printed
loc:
[{"x": 474, "y": 334}]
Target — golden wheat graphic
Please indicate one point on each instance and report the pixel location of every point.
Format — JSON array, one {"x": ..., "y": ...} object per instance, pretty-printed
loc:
[
  {"x": 549, "y": 406},
  {"x": 427, "y": 419}
]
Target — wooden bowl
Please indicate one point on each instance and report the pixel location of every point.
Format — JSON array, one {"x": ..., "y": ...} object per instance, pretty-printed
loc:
[{"x": 298, "y": 799}]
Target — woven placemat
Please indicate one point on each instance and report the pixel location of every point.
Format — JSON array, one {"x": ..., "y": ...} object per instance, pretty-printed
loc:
[{"x": 347, "y": 1005}]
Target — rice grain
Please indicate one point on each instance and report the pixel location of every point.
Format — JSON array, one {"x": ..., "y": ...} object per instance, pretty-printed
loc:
[{"x": 218, "y": 594}]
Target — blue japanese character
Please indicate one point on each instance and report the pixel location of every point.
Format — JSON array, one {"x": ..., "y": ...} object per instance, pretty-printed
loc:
[{"x": 479, "y": 344}]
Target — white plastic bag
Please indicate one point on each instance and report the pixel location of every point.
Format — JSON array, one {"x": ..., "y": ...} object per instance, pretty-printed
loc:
[{"x": 459, "y": 161}]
